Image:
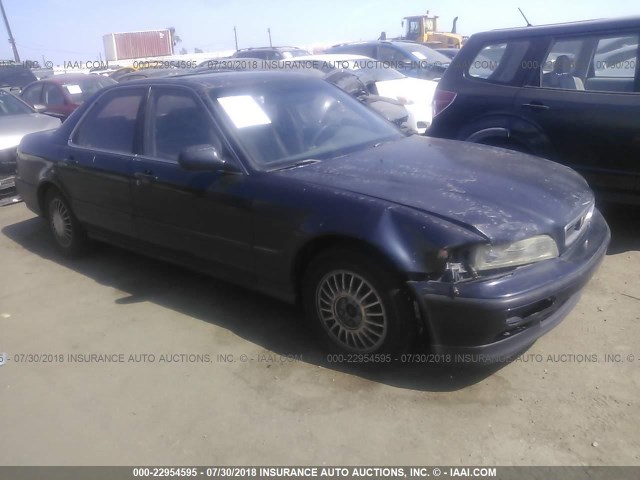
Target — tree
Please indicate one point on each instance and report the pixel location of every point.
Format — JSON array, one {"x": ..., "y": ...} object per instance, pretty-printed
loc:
[{"x": 175, "y": 39}]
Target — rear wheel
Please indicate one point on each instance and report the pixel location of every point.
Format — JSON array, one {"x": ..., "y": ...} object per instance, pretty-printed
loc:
[
  {"x": 68, "y": 234},
  {"x": 355, "y": 306}
]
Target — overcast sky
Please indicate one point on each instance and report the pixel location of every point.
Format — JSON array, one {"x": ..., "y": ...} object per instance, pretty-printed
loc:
[{"x": 72, "y": 30}]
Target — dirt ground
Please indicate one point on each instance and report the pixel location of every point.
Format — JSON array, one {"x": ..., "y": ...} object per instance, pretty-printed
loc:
[{"x": 572, "y": 399}]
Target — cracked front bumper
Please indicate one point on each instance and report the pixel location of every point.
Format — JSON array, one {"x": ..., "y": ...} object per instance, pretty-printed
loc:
[{"x": 498, "y": 317}]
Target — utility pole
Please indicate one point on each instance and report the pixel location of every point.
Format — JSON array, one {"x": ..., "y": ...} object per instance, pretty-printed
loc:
[
  {"x": 269, "y": 30},
  {"x": 235, "y": 34},
  {"x": 11, "y": 39}
]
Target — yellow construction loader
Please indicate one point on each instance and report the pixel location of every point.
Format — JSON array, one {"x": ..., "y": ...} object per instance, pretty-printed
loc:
[{"x": 424, "y": 29}]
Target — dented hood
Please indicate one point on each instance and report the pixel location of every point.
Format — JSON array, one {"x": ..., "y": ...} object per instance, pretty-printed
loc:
[{"x": 501, "y": 194}]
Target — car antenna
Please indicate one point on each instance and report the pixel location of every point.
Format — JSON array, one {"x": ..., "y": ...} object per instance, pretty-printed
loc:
[{"x": 525, "y": 18}]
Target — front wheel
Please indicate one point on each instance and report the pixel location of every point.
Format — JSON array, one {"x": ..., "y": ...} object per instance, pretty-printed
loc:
[
  {"x": 356, "y": 306},
  {"x": 68, "y": 234}
]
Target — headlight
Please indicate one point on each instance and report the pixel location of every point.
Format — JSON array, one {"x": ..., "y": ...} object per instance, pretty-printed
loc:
[{"x": 530, "y": 250}]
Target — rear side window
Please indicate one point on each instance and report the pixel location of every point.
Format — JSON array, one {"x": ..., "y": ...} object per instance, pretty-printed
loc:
[
  {"x": 111, "y": 123},
  {"x": 500, "y": 62},
  {"x": 591, "y": 63}
]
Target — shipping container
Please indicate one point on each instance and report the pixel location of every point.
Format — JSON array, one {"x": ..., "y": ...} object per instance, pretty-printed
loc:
[{"x": 128, "y": 45}]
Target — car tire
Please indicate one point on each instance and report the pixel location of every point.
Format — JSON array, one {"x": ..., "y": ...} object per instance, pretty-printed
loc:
[
  {"x": 68, "y": 234},
  {"x": 356, "y": 306}
]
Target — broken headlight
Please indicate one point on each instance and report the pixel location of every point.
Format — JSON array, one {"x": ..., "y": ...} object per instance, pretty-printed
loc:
[{"x": 522, "y": 252}]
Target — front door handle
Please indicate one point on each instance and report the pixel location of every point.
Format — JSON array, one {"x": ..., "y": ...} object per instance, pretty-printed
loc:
[
  {"x": 144, "y": 178},
  {"x": 536, "y": 106}
]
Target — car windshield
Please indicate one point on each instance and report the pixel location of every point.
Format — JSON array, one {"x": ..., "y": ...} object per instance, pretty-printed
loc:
[
  {"x": 10, "y": 105},
  {"x": 281, "y": 124},
  {"x": 80, "y": 90},
  {"x": 428, "y": 54}
]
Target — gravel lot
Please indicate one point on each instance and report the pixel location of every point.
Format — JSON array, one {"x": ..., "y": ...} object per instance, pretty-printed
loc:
[{"x": 561, "y": 403}]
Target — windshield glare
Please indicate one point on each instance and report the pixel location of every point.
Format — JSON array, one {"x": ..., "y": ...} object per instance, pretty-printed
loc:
[
  {"x": 281, "y": 124},
  {"x": 9, "y": 105}
]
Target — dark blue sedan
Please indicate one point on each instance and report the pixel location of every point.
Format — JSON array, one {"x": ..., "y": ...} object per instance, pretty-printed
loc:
[{"x": 284, "y": 184}]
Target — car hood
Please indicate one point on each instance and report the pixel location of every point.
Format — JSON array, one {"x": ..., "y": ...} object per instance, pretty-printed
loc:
[
  {"x": 413, "y": 89},
  {"x": 14, "y": 127},
  {"x": 500, "y": 194}
]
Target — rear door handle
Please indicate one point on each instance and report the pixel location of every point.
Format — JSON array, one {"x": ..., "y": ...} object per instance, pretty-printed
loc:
[
  {"x": 144, "y": 178},
  {"x": 536, "y": 106}
]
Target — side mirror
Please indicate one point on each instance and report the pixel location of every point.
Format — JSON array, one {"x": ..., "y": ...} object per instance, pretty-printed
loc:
[
  {"x": 39, "y": 108},
  {"x": 204, "y": 158}
]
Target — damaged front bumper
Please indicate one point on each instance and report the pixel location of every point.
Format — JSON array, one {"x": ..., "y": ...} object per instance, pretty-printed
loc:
[{"x": 496, "y": 318}]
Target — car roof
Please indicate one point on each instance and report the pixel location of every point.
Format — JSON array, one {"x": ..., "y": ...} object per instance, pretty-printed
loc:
[
  {"x": 583, "y": 26},
  {"x": 269, "y": 48},
  {"x": 221, "y": 79},
  {"x": 330, "y": 57},
  {"x": 400, "y": 43}
]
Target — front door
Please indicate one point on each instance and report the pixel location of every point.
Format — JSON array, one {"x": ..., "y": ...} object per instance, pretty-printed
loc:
[{"x": 201, "y": 213}]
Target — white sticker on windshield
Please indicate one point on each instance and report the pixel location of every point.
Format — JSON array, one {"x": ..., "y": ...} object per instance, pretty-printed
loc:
[
  {"x": 73, "y": 89},
  {"x": 244, "y": 111},
  {"x": 420, "y": 55}
]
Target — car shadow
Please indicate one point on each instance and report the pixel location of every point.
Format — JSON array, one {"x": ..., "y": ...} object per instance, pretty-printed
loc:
[
  {"x": 624, "y": 222},
  {"x": 268, "y": 323}
]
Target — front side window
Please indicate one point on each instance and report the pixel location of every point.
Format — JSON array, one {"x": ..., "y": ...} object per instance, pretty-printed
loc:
[
  {"x": 111, "y": 123},
  {"x": 53, "y": 95},
  {"x": 32, "y": 94},
  {"x": 281, "y": 123},
  {"x": 177, "y": 122}
]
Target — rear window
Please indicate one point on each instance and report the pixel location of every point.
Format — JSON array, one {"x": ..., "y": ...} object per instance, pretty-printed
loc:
[{"x": 499, "y": 62}]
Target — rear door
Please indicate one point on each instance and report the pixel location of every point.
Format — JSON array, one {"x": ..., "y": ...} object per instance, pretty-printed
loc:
[
  {"x": 97, "y": 170},
  {"x": 202, "y": 213},
  {"x": 586, "y": 101}
]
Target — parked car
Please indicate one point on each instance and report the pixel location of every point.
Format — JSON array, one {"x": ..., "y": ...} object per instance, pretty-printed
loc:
[
  {"x": 152, "y": 73},
  {"x": 410, "y": 58},
  {"x": 415, "y": 94},
  {"x": 60, "y": 95},
  {"x": 14, "y": 77},
  {"x": 282, "y": 183},
  {"x": 271, "y": 53},
  {"x": 121, "y": 72},
  {"x": 448, "y": 52},
  {"x": 16, "y": 120},
  {"x": 567, "y": 92}
]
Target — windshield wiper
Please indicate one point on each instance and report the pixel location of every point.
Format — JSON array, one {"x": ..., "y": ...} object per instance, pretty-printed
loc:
[{"x": 301, "y": 163}]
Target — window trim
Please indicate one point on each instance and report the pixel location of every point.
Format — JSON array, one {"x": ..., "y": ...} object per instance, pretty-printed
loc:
[{"x": 94, "y": 104}]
